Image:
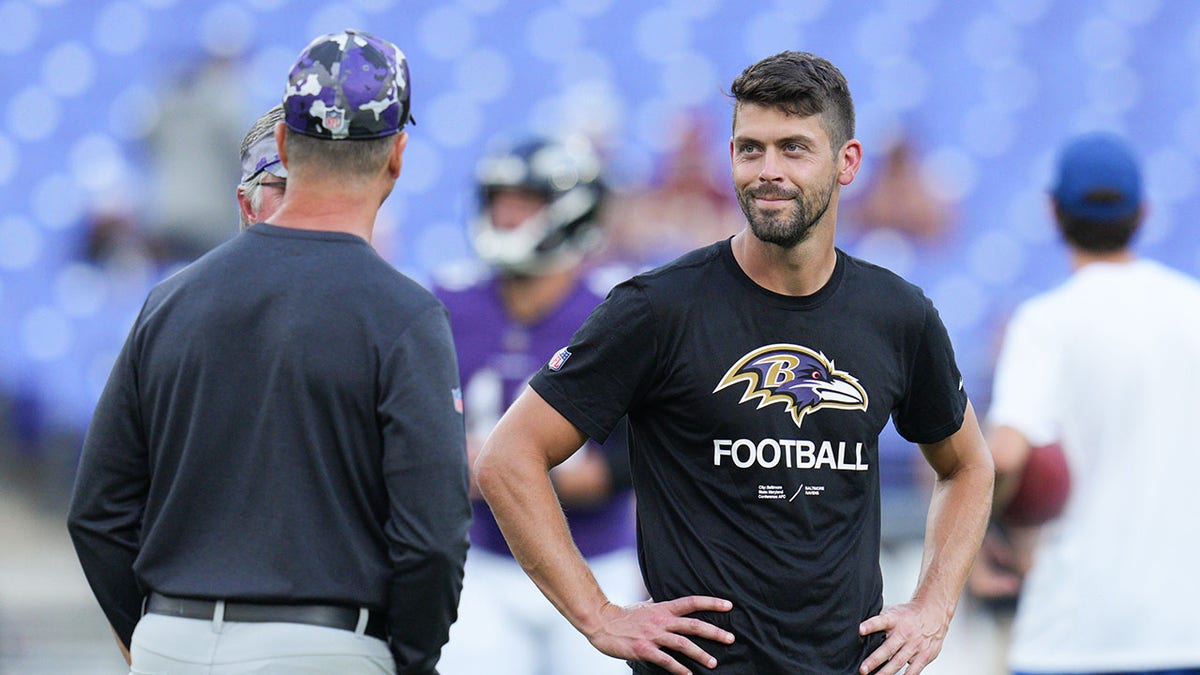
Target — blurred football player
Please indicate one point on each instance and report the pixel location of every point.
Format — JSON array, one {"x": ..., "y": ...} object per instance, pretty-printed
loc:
[{"x": 536, "y": 225}]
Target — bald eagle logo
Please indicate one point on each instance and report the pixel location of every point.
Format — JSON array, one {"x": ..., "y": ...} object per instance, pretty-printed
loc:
[{"x": 801, "y": 379}]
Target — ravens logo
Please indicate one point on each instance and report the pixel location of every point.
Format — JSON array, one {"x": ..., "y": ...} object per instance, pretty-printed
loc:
[{"x": 801, "y": 379}]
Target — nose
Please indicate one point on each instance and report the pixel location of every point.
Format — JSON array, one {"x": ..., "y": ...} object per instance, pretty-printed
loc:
[{"x": 770, "y": 170}]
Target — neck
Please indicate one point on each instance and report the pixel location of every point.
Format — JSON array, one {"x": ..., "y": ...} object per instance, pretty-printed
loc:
[
  {"x": 527, "y": 299},
  {"x": 1080, "y": 259},
  {"x": 321, "y": 206},
  {"x": 798, "y": 271}
]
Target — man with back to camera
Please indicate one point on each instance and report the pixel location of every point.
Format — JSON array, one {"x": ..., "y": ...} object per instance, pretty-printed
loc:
[
  {"x": 1106, "y": 365},
  {"x": 540, "y": 200},
  {"x": 276, "y": 470},
  {"x": 754, "y": 456}
]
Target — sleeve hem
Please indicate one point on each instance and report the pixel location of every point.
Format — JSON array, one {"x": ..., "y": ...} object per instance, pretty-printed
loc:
[{"x": 573, "y": 414}]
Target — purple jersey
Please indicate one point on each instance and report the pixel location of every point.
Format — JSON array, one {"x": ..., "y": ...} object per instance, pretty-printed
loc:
[{"x": 496, "y": 356}]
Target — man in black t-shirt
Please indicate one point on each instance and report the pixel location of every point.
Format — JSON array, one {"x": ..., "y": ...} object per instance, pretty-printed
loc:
[{"x": 757, "y": 375}]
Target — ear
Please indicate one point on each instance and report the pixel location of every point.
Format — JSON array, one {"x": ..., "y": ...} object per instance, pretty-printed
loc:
[
  {"x": 248, "y": 214},
  {"x": 849, "y": 161},
  {"x": 281, "y": 142},
  {"x": 396, "y": 156}
]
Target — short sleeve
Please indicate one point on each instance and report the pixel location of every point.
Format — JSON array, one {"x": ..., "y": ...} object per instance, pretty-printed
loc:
[
  {"x": 1019, "y": 400},
  {"x": 935, "y": 401},
  {"x": 605, "y": 369}
]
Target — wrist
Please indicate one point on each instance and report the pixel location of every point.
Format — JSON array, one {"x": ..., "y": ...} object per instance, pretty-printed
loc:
[{"x": 592, "y": 619}]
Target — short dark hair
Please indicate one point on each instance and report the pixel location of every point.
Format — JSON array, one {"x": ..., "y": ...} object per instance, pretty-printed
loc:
[
  {"x": 802, "y": 84},
  {"x": 1097, "y": 236},
  {"x": 349, "y": 158}
]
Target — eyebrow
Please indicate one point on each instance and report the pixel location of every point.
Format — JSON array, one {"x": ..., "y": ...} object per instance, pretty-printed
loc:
[{"x": 802, "y": 139}]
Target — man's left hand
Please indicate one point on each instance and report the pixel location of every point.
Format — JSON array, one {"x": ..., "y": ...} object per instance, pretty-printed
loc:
[{"x": 915, "y": 633}]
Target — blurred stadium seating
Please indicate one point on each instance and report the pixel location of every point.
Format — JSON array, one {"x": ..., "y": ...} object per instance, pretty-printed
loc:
[{"x": 989, "y": 87}]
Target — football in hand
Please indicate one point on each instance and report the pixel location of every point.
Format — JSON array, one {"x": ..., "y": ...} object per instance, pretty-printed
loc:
[{"x": 1042, "y": 488}]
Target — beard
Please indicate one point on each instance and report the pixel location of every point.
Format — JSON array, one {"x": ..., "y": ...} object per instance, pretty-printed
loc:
[{"x": 785, "y": 227}]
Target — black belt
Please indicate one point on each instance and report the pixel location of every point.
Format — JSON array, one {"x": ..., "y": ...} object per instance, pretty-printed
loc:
[{"x": 331, "y": 616}]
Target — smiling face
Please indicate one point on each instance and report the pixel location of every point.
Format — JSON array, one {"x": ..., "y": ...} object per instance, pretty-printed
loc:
[{"x": 785, "y": 172}]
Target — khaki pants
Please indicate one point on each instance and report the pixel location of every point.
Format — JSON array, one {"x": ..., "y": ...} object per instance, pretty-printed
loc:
[{"x": 168, "y": 645}]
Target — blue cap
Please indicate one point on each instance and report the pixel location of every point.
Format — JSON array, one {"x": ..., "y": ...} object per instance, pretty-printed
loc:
[
  {"x": 1098, "y": 178},
  {"x": 348, "y": 85}
]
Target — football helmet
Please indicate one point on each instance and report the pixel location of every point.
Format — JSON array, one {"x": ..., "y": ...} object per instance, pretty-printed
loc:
[{"x": 565, "y": 173}]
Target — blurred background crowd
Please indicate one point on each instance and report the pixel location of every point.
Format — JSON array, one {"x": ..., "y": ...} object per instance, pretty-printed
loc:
[{"x": 119, "y": 136}]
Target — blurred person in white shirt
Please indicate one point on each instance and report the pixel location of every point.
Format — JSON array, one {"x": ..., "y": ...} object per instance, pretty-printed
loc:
[{"x": 1106, "y": 365}]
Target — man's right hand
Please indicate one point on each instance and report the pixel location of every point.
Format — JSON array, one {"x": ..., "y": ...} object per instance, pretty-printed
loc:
[{"x": 641, "y": 632}]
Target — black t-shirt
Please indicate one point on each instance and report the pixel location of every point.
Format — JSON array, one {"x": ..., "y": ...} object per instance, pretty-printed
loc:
[{"x": 754, "y": 421}]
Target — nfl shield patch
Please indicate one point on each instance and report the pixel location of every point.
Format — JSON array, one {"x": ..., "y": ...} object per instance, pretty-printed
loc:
[
  {"x": 334, "y": 119},
  {"x": 560, "y": 357}
]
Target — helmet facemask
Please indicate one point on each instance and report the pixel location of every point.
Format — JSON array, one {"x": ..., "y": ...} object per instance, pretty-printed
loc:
[{"x": 565, "y": 174}]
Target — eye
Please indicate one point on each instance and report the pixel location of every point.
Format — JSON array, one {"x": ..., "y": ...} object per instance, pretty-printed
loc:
[{"x": 816, "y": 375}]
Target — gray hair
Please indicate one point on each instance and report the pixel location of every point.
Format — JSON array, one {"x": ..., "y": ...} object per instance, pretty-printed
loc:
[
  {"x": 252, "y": 191},
  {"x": 263, "y": 126}
]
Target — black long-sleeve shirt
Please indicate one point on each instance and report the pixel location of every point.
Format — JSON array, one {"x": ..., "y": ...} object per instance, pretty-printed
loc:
[{"x": 281, "y": 426}]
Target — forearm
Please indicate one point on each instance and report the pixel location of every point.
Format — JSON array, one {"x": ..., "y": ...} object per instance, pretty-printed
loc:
[
  {"x": 423, "y": 604},
  {"x": 1010, "y": 451},
  {"x": 427, "y": 535},
  {"x": 519, "y": 493},
  {"x": 108, "y": 501},
  {"x": 107, "y": 564},
  {"x": 958, "y": 516}
]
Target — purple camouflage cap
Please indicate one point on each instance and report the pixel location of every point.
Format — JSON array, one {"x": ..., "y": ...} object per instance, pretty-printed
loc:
[{"x": 348, "y": 85}]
